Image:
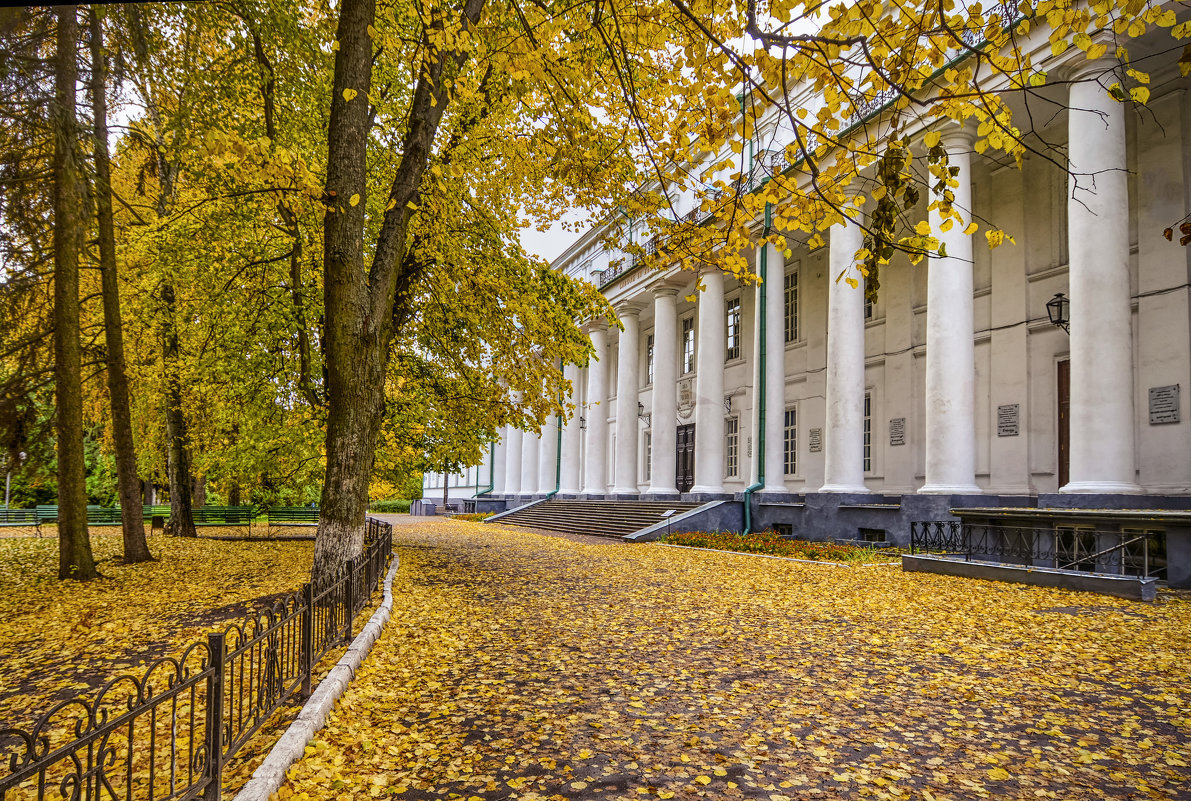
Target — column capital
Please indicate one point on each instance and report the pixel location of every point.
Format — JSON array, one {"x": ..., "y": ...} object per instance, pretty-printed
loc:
[
  {"x": 627, "y": 308},
  {"x": 956, "y": 134},
  {"x": 598, "y": 325},
  {"x": 1078, "y": 67}
]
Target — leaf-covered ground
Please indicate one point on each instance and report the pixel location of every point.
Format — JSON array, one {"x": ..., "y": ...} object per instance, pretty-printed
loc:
[
  {"x": 524, "y": 666},
  {"x": 60, "y": 639}
]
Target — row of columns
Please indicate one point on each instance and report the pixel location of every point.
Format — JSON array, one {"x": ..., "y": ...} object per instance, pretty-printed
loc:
[{"x": 1101, "y": 400}]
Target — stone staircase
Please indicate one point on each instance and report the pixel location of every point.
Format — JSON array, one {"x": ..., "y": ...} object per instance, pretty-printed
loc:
[{"x": 599, "y": 518}]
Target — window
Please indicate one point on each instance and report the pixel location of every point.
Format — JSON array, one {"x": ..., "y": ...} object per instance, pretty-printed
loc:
[
  {"x": 688, "y": 345},
  {"x": 790, "y": 442},
  {"x": 791, "y": 289},
  {"x": 868, "y": 300},
  {"x": 868, "y": 432},
  {"x": 731, "y": 447},
  {"x": 733, "y": 323},
  {"x": 647, "y": 442},
  {"x": 649, "y": 360}
]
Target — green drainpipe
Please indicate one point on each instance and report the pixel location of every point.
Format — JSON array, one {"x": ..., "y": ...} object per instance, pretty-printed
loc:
[
  {"x": 557, "y": 459},
  {"x": 748, "y": 492},
  {"x": 491, "y": 470}
]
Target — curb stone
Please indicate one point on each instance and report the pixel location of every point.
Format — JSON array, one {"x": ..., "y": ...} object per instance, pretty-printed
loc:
[{"x": 269, "y": 776}]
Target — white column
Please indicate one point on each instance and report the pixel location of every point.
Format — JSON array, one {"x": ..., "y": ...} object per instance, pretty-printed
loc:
[
  {"x": 774, "y": 297},
  {"x": 595, "y": 479},
  {"x": 950, "y": 349},
  {"x": 513, "y": 461},
  {"x": 710, "y": 352},
  {"x": 571, "y": 438},
  {"x": 663, "y": 416},
  {"x": 627, "y": 392},
  {"x": 843, "y": 448},
  {"x": 529, "y": 463},
  {"x": 548, "y": 457},
  {"x": 498, "y": 464},
  {"x": 1102, "y": 423}
]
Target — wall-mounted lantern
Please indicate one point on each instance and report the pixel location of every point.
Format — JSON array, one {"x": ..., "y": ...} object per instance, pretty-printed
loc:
[
  {"x": 641, "y": 413},
  {"x": 1058, "y": 309}
]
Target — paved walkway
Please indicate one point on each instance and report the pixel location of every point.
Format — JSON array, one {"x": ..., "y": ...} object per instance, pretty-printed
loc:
[{"x": 531, "y": 667}]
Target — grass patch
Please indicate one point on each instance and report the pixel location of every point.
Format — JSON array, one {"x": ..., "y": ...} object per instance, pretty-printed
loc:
[{"x": 772, "y": 544}]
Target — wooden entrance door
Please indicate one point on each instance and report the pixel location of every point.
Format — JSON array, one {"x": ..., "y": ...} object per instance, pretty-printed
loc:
[
  {"x": 684, "y": 458},
  {"x": 1064, "y": 433}
]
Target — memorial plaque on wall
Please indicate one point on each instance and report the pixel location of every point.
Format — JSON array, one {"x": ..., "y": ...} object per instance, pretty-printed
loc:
[
  {"x": 1164, "y": 404},
  {"x": 816, "y": 440},
  {"x": 897, "y": 431},
  {"x": 1007, "y": 420}
]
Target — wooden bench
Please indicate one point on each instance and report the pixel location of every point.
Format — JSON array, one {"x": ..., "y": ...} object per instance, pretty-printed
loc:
[
  {"x": 20, "y": 518},
  {"x": 291, "y": 516},
  {"x": 223, "y": 516}
]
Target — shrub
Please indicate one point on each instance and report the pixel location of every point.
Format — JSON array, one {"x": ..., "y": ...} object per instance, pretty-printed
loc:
[
  {"x": 393, "y": 507},
  {"x": 473, "y": 518},
  {"x": 772, "y": 544}
]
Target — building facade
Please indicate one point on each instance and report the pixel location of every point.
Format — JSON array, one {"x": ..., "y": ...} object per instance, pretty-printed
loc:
[{"x": 953, "y": 389}]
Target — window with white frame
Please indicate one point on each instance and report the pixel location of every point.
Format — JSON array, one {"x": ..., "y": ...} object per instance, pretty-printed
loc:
[
  {"x": 733, "y": 325},
  {"x": 688, "y": 345},
  {"x": 731, "y": 447},
  {"x": 649, "y": 360},
  {"x": 868, "y": 432},
  {"x": 791, "y": 294},
  {"x": 868, "y": 301},
  {"x": 647, "y": 449},
  {"x": 790, "y": 442}
]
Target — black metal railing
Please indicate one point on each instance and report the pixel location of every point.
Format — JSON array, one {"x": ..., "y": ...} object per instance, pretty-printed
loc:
[
  {"x": 168, "y": 733},
  {"x": 1065, "y": 547}
]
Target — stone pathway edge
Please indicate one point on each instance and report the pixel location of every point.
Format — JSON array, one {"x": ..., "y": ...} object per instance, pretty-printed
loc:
[{"x": 292, "y": 745}]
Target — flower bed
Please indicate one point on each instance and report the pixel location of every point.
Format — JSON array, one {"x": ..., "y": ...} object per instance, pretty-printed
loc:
[{"x": 772, "y": 544}]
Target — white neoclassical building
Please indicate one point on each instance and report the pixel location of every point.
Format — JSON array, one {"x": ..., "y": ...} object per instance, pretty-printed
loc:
[{"x": 833, "y": 417}]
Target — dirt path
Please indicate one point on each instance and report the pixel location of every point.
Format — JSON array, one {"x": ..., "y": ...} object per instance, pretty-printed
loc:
[{"x": 523, "y": 666}]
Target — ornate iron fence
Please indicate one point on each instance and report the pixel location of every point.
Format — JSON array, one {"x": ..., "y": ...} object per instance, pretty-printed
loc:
[
  {"x": 168, "y": 734},
  {"x": 1129, "y": 552}
]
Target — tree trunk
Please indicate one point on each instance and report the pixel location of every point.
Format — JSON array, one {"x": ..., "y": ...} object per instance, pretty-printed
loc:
[
  {"x": 233, "y": 494},
  {"x": 354, "y": 355},
  {"x": 181, "y": 522},
  {"x": 446, "y": 483},
  {"x": 74, "y": 547},
  {"x": 199, "y": 498},
  {"x": 361, "y": 304},
  {"x": 136, "y": 548}
]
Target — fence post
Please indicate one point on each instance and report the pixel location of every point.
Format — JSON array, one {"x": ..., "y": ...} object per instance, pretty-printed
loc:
[
  {"x": 307, "y": 637},
  {"x": 214, "y": 734},
  {"x": 349, "y": 588}
]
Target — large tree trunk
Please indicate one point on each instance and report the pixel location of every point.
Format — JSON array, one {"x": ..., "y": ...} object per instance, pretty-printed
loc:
[
  {"x": 362, "y": 304},
  {"x": 136, "y": 548},
  {"x": 355, "y": 356},
  {"x": 181, "y": 522},
  {"x": 74, "y": 548}
]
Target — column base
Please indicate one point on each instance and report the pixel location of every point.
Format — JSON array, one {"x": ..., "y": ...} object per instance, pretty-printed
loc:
[
  {"x": 859, "y": 490},
  {"x": 624, "y": 491},
  {"x": 708, "y": 490},
  {"x": 772, "y": 489},
  {"x": 667, "y": 492},
  {"x": 950, "y": 489},
  {"x": 1100, "y": 488}
]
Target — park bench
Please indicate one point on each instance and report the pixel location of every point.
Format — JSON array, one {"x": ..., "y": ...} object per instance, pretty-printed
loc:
[
  {"x": 289, "y": 516},
  {"x": 104, "y": 516},
  {"x": 223, "y": 516},
  {"x": 20, "y": 518}
]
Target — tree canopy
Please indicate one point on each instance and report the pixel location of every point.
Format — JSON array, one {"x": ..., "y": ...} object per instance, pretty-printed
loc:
[{"x": 317, "y": 207}]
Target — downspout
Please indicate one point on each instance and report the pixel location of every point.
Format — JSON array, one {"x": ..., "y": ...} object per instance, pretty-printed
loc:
[
  {"x": 491, "y": 470},
  {"x": 748, "y": 492},
  {"x": 557, "y": 460},
  {"x": 557, "y": 451}
]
